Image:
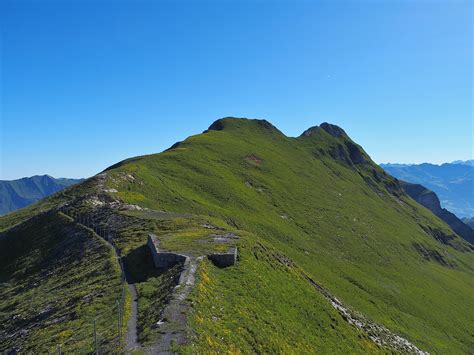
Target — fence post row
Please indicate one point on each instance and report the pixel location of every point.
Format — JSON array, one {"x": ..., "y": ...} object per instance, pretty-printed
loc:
[
  {"x": 96, "y": 349},
  {"x": 106, "y": 234}
]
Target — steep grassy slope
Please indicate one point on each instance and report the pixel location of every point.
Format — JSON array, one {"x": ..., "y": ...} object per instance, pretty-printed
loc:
[
  {"x": 19, "y": 193},
  {"x": 313, "y": 209},
  {"x": 56, "y": 278},
  {"x": 322, "y": 203}
]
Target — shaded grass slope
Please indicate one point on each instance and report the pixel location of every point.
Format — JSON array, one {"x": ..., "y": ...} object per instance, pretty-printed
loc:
[{"x": 56, "y": 278}]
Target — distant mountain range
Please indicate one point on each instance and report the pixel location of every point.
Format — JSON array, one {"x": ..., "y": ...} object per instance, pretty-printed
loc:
[
  {"x": 452, "y": 182},
  {"x": 469, "y": 162},
  {"x": 15, "y": 194},
  {"x": 464, "y": 162}
]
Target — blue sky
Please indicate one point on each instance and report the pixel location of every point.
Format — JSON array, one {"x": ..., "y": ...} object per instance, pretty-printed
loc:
[{"x": 85, "y": 84}]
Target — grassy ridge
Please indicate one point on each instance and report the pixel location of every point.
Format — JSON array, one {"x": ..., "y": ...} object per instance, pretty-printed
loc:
[
  {"x": 341, "y": 222},
  {"x": 314, "y": 205}
]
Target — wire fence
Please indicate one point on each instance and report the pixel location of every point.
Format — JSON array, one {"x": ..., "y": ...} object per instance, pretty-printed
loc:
[{"x": 105, "y": 335}]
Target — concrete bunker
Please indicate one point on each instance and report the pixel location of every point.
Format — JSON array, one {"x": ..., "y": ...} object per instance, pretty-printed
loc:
[
  {"x": 163, "y": 260},
  {"x": 224, "y": 259}
]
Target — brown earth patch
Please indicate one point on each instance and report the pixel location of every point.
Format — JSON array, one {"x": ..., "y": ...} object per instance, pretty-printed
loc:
[{"x": 253, "y": 159}]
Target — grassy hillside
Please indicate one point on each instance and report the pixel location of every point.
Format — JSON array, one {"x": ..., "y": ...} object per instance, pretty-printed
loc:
[
  {"x": 56, "y": 278},
  {"x": 303, "y": 210}
]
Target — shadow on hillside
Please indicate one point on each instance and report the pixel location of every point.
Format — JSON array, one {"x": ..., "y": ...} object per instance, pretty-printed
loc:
[{"x": 139, "y": 266}]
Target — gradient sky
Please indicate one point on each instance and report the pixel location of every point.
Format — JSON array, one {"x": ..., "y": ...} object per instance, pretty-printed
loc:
[{"x": 85, "y": 84}]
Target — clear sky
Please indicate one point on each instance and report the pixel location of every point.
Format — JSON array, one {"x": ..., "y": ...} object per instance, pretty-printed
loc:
[{"x": 85, "y": 84}]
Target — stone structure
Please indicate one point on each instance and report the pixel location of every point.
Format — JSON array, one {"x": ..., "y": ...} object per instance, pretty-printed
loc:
[
  {"x": 163, "y": 260},
  {"x": 224, "y": 259}
]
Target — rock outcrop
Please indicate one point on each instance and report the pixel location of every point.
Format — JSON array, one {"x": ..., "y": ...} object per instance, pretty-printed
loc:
[
  {"x": 333, "y": 130},
  {"x": 430, "y": 200}
]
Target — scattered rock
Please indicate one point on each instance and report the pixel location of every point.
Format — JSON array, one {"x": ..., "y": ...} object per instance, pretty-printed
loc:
[{"x": 131, "y": 208}]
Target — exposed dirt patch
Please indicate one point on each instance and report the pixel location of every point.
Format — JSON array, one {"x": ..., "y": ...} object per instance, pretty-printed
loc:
[{"x": 254, "y": 160}]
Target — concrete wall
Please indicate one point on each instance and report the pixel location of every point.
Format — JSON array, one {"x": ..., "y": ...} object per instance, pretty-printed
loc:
[
  {"x": 163, "y": 260},
  {"x": 224, "y": 259}
]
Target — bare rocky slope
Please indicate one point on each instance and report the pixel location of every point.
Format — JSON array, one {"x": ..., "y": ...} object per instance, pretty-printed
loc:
[{"x": 431, "y": 201}]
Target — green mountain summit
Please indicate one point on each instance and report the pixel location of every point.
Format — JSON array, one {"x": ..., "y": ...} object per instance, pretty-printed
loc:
[{"x": 332, "y": 255}]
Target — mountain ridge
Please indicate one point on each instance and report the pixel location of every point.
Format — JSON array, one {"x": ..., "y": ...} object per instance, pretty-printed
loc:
[
  {"x": 298, "y": 209},
  {"x": 431, "y": 201},
  {"x": 15, "y": 194},
  {"x": 453, "y": 183}
]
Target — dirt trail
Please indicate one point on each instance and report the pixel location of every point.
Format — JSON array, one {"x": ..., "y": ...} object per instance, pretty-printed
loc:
[
  {"x": 173, "y": 322},
  {"x": 173, "y": 328},
  {"x": 131, "y": 339}
]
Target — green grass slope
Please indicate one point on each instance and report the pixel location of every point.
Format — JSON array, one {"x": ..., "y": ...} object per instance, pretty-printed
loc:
[
  {"x": 313, "y": 207},
  {"x": 55, "y": 279},
  {"x": 323, "y": 203}
]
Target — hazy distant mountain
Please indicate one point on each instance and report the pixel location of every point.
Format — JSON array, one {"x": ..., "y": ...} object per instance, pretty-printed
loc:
[
  {"x": 452, "y": 182},
  {"x": 464, "y": 162},
  {"x": 469, "y": 221},
  {"x": 396, "y": 165},
  {"x": 15, "y": 194}
]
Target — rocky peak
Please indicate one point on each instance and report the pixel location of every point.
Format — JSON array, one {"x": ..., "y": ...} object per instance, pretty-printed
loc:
[
  {"x": 333, "y": 130},
  {"x": 311, "y": 131}
]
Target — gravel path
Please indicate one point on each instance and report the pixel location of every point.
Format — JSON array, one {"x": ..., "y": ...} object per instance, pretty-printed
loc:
[
  {"x": 174, "y": 328},
  {"x": 131, "y": 341}
]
